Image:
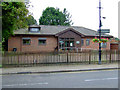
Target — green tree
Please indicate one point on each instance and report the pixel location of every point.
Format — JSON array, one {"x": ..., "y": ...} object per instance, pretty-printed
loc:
[
  {"x": 30, "y": 20},
  {"x": 52, "y": 16},
  {"x": 13, "y": 17}
]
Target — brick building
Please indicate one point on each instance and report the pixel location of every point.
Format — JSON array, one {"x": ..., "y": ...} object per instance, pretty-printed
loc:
[
  {"x": 114, "y": 44},
  {"x": 45, "y": 38}
]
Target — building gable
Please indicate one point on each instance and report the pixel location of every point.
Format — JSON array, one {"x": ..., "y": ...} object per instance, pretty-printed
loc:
[{"x": 69, "y": 32}]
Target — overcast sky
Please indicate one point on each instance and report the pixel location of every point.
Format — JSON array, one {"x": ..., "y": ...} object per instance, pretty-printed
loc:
[{"x": 84, "y": 12}]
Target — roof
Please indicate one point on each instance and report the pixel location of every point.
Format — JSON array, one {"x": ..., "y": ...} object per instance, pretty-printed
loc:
[{"x": 53, "y": 30}]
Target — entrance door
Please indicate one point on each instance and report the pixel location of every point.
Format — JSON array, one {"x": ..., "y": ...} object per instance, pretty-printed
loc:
[{"x": 68, "y": 43}]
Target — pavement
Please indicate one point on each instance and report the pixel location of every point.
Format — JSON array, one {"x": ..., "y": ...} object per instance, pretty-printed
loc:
[{"x": 57, "y": 68}]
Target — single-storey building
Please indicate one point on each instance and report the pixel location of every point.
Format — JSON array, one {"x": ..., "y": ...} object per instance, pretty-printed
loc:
[{"x": 47, "y": 38}]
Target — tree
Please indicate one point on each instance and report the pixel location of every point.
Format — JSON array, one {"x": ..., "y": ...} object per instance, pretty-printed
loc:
[
  {"x": 52, "y": 16},
  {"x": 13, "y": 17},
  {"x": 30, "y": 20}
]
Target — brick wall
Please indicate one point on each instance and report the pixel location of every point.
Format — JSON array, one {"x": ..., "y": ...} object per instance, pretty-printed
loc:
[
  {"x": 51, "y": 44},
  {"x": 94, "y": 46},
  {"x": 114, "y": 46},
  {"x": 16, "y": 41}
]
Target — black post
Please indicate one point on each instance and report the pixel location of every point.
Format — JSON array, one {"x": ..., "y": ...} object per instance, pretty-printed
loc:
[
  {"x": 90, "y": 57},
  {"x": 67, "y": 58},
  {"x": 100, "y": 24}
]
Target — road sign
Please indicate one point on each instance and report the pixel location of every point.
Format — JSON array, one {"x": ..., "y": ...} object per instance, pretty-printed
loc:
[{"x": 104, "y": 31}]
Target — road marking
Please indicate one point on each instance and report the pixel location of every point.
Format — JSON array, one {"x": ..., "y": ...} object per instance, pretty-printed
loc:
[
  {"x": 88, "y": 80},
  {"x": 25, "y": 84}
]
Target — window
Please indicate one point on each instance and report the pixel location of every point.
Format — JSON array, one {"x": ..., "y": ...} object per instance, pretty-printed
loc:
[
  {"x": 103, "y": 45},
  {"x": 82, "y": 42},
  {"x": 71, "y": 43},
  {"x": 87, "y": 42},
  {"x": 34, "y": 29},
  {"x": 26, "y": 41},
  {"x": 66, "y": 43},
  {"x": 42, "y": 41},
  {"x": 71, "y": 38}
]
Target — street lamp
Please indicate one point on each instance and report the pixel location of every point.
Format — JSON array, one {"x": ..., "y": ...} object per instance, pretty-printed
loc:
[
  {"x": 101, "y": 31},
  {"x": 100, "y": 25}
]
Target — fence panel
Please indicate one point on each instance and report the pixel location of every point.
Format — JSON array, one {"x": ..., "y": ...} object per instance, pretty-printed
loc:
[{"x": 86, "y": 57}]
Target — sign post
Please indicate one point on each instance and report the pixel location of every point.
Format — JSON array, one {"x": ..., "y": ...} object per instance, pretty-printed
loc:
[
  {"x": 101, "y": 31},
  {"x": 100, "y": 25}
]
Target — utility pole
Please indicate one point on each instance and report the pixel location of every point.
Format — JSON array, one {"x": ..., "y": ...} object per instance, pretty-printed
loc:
[{"x": 100, "y": 25}]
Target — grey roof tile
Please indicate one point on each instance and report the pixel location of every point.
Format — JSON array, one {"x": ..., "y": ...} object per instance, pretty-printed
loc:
[{"x": 52, "y": 30}]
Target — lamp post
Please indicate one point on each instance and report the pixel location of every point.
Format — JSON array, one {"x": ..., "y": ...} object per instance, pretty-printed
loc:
[{"x": 100, "y": 25}]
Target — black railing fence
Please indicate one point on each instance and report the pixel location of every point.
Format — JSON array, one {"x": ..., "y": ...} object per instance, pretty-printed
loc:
[{"x": 84, "y": 57}]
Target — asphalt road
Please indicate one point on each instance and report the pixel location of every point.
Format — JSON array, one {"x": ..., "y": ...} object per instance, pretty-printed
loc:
[{"x": 93, "y": 79}]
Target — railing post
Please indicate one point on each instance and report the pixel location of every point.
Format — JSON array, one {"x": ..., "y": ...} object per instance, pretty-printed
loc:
[
  {"x": 106, "y": 56},
  {"x": 118, "y": 56},
  {"x": 115, "y": 55},
  {"x": 90, "y": 57},
  {"x": 67, "y": 58},
  {"x": 110, "y": 56},
  {"x": 18, "y": 59}
]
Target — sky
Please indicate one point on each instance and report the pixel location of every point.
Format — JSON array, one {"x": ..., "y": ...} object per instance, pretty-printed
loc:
[{"x": 84, "y": 13}]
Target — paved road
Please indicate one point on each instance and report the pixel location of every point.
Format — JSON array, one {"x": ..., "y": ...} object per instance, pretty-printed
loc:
[{"x": 93, "y": 79}]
